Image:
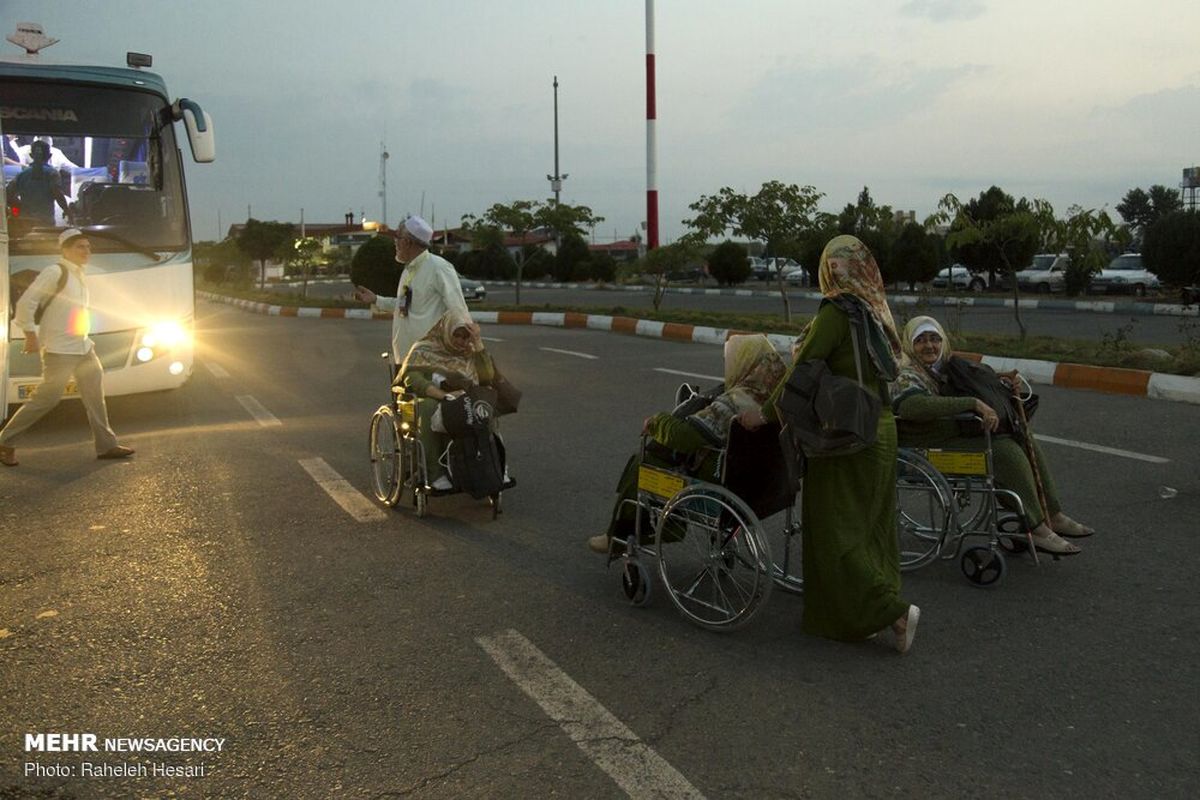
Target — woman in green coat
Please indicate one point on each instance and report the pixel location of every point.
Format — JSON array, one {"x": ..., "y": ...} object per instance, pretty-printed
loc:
[
  {"x": 851, "y": 554},
  {"x": 926, "y": 411}
]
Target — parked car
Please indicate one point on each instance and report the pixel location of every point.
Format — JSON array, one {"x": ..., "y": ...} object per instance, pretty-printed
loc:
[
  {"x": 1047, "y": 273},
  {"x": 1125, "y": 273},
  {"x": 472, "y": 289},
  {"x": 760, "y": 270},
  {"x": 796, "y": 276},
  {"x": 958, "y": 276}
]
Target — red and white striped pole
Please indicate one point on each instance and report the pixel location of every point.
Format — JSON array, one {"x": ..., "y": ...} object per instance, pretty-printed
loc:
[{"x": 651, "y": 140}]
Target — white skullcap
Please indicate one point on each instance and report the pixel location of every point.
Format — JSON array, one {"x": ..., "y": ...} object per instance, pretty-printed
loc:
[
  {"x": 418, "y": 229},
  {"x": 68, "y": 235},
  {"x": 926, "y": 327}
]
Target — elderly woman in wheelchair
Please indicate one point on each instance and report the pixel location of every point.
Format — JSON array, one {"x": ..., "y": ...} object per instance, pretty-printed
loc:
[
  {"x": 438, "y": 435},
  {"x": 752, "y": 369},
  {"x": 926, "y": 407},
  {"x": 692, "y": 499}
]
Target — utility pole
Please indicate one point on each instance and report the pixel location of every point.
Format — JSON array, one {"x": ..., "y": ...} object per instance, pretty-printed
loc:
[{"x": 556, "y": 180}]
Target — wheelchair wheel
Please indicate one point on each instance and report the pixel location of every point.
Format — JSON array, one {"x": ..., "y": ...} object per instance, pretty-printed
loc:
[
  {"x": 924, "y": 510},
  {"x": 636, "y": 582},
  {"x": 421, "y": 501},
  {"x": 713, "y": 558},
  {"x": 983, "y": 565},
  {"x": 386, "y": 478}
]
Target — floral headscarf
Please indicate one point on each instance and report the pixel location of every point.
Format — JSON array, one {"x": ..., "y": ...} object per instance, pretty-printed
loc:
[
  {"x": 752, "y": 369},
  {"x": 847, "y": 267},
  {"x": 440, "y": 351},
  {"x": 915, "y": 377}
]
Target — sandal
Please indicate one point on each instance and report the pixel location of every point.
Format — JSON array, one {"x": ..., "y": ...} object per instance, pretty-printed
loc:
[
  {"x": 905, "y": 635},
  {"x": 1055, "y": 545},
  {"x": 1073, "y": 529}
]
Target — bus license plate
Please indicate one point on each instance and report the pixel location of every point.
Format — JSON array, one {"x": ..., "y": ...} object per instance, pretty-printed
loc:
[{"x": 26, "y": 391}]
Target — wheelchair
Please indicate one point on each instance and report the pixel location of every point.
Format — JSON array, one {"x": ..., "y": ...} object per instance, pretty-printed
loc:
[
  {"x": 705, "y": 543},
  {"x": 945, "y": 497},
  {"x": 397, "y": 453}
]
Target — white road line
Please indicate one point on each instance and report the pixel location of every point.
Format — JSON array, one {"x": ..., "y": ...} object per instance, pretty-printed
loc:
[
  {"x": 1099, "y": 448},
  {"x": 568, "y": 352},
  {"x": 345, "y": 495},
  {"x": 491, "y": 339},
  {"x": 636, "y": 768},
  {"x": 716, "y": 378},
  {"x": 258, "y": 411},
  {"x": 217, "y": 370}
]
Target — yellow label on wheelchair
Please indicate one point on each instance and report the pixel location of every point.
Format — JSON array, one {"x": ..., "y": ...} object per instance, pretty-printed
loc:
[
  {"x": 958, "y": 462},
  {"x": 659, "y": 483},
  {"x": 408, "y": 413}
]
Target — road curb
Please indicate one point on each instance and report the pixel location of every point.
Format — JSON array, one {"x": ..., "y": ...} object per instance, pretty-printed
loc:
[{"x": 1110, "y": 380}]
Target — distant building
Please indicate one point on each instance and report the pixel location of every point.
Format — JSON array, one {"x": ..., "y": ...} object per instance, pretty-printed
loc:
[{"x": 625, "y": 251}]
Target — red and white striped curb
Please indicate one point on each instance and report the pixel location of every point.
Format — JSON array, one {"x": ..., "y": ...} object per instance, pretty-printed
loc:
[{"x": 1112, "y": 380}]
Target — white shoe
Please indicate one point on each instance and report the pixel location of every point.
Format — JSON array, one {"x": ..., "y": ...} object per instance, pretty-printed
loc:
[{"x": 442, "y": 483}]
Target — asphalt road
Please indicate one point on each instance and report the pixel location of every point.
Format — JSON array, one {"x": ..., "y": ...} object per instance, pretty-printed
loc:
[
  {"x": 210, "y": 587},
  {"x": 1140, "y": 330}
]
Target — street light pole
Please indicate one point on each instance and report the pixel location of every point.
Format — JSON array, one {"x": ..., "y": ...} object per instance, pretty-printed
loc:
[{"x": 556, "y": 180}]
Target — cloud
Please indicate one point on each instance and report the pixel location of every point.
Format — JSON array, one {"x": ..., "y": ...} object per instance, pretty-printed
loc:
[
  {"x": 856, "y": 96},
  {"x": 944, "y": 10}
]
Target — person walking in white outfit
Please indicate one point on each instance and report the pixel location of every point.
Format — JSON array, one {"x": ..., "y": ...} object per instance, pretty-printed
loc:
[
  {"x": 62, "y": 338},
  {"x": 428, "y": 288}
]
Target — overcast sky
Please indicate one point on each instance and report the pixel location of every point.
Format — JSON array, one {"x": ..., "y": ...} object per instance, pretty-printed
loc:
[{"x": 1074, "y": 101}]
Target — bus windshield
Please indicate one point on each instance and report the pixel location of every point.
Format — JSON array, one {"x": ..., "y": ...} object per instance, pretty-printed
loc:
[{"x": 109, "y": 156}]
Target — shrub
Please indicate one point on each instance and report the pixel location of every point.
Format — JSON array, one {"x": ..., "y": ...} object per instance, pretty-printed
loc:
[
  {"x": 571, "y": 261},
  {"x": 602, "y": 267},
  {"x": 727, "y": 263},
  {"x": 374, "y": 266},
  {"x": 1171, "y": 248}
]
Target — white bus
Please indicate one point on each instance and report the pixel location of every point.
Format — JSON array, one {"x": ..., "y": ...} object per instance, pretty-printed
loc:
[{"x": 112, "y": 141}]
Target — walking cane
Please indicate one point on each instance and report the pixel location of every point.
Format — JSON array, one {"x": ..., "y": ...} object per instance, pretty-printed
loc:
[{"x": 1027, "y": 442}]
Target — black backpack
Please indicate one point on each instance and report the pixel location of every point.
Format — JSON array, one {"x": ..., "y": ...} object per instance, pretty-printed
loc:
[
  {"x": 19, "y": 283},
  {"x": 475, "y": 455}
]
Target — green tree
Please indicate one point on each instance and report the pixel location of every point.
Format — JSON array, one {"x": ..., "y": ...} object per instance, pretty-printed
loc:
[
  {"x": 660, "y": 262},
  {"x": 374, "y": 266},
  {"x": 1171, "y": 249},
  {"x": 222, "y": 261},
  {"x": 727, "y": 263},
  {"x": 777, "y": 213},
  {"x": 304, "y": 256},
  {"x": 1141, "y": 209},
  {"x": 263, "y": 240},
  {"x": 571, "y": 260},
  {"x": 1011, "y": 239},
  {"x": 516, "y": 217},
  {"x": 977, "y": 254},
  {"x": 1083, "y": 236},
  {"x": 914, "y": 255},
  {"x": 565, "y": 220}
]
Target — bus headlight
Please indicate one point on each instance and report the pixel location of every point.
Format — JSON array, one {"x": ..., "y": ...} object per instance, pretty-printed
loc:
[
  {"x": 161, "y": 339},
  {"x": 166, "y": 335}
]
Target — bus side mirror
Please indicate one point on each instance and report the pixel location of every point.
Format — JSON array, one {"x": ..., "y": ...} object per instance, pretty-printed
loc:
[{"x": 199, "y": 129}]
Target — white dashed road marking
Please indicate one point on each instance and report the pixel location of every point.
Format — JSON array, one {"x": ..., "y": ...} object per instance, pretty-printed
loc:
[
  {"x": 714, "y": 378},
  {"x": 217, "y": 370},
  {"x": 258, "y": 411},
  {"x": 491, "y": 339},
  {"x": 568, "y": 352},
  {"x": 636, "y": 768},
  {"x": 345, "y": 495},
  {"x": 1099, "y": 448}
]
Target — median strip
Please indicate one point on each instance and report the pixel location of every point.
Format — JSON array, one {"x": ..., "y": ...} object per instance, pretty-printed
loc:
[{"x": 1112, "y": 380}]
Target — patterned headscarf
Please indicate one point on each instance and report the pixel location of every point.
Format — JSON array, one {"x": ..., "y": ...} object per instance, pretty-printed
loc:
[
  {"x": 752, "y": 370},
  {"x": 915, "y": 377},
  {"x": 440, "y": 351},
  {"x": 847, "y": 267}
]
